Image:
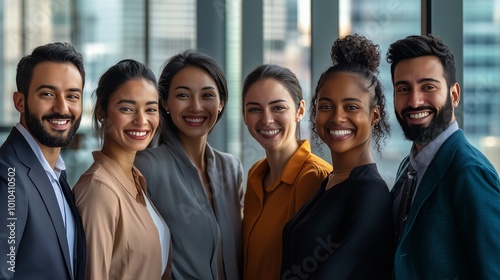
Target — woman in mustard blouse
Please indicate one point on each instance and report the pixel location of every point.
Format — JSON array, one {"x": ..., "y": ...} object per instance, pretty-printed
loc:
[
  {"x": 126, "y": 237},
  {"x": 281, "y": 183}
]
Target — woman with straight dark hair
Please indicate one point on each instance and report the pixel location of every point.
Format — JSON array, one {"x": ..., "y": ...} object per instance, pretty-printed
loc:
[
  {"x": 197, "y": 189},
  {"x": 126, "y": 236}
]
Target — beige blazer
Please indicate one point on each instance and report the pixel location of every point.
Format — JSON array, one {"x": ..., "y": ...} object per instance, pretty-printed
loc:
[{"x": 122, "y": 239}]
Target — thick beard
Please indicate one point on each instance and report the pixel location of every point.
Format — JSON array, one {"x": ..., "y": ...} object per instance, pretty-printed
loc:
[
  {"x": 422, "y": 135},
  {"x": 35, "y": 127}
]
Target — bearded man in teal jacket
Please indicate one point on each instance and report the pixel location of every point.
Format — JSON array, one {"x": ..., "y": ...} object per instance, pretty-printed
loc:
[{"x": 447, "y": 194}]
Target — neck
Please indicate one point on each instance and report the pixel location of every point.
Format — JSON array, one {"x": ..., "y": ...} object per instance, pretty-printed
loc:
[
  {"x": 277, "y": 159},
  {"x": 195, "y": 150},
  {"x": 124, "y": 158},
  {"x": 51, "y": 154},
  {"x": 352, "y": 158}
]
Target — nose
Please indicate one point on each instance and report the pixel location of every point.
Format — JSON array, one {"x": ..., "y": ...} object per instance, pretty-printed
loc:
[
  {"x": 267, "y": 117},
  {"x": 416, "y": 99},
  {"x": 338, "y": 116},
  {"x": 195, "y": 105},
  {"x": 140, "y": 118},
  {"x": 60, "y": 105}
]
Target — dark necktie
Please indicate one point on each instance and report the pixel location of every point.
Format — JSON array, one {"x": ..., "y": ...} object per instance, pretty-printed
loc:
[{"x": 409, "y": 185}]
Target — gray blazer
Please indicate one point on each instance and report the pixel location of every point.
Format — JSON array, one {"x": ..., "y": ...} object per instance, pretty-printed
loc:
[{"x": 176, "y": 189}]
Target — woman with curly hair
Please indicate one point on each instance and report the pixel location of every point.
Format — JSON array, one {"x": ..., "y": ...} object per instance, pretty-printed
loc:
[{"x": 345, "y": 231}]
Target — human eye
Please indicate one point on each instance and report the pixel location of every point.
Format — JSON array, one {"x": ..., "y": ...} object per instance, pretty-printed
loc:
[
  {"x": 208, "y": 95},
  {"x": 125, "y": 109},
  {"x": 152, "y": 110},
  {"x": 429, "y": 87},
  {"x": 73, "y": 97},
  {"x": 47, "y": 94},
  {"x": 351, "y": 107},
  {"x": 279, "y": 108},
  {"x": 253, "y": 109},
  {"x": 182, "y": 95},
  {"x": 324, "y": 107},
  {"x": 402, "y": 89}
]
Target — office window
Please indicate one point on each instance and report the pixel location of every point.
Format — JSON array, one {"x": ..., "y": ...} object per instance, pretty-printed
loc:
[{"x": 481, "y": 84}]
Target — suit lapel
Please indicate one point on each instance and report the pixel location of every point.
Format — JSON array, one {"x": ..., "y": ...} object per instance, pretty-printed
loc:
[
  {"x": 432, "y": 177},
  {"x": 79, "y": 253},
  {"x": 41, "y": 182}
]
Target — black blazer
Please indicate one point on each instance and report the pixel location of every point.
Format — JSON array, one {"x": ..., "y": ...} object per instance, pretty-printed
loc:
[{"x": 33, "y": 242}]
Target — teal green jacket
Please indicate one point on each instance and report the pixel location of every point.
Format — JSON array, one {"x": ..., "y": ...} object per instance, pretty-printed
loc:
[{"x": 453, "y": 227}]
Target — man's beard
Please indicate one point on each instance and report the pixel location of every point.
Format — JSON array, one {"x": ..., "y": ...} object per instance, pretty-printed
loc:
[
  {"x": 421, "y": 134},
  {"x": 36, "y": 128}
]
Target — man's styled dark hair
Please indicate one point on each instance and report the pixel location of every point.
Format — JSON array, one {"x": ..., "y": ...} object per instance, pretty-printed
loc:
[
  {"x": 416, "y": 46},
  {"x": 53, "y": 52}
]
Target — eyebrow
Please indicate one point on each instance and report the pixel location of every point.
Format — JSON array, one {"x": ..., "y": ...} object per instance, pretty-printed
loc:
[
  {"x": 188, "y": 88},
  {"x": 272, "y": 102},
  {"x": 51, "y": 87},
  {"x": 343, "y": 100},
  {"x": 128, "y": 101},
  {"x": 419, "y": 81}
]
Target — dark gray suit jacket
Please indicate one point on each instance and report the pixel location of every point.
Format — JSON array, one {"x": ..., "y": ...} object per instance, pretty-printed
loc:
[{"x": 33, "y": 243}]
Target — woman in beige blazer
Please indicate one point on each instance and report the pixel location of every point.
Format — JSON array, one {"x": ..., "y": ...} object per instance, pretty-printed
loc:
[{"x": 126, "y": 237}]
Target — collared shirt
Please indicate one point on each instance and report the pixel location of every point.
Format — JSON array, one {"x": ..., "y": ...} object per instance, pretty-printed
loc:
[
  {"x": 267, "y": 209},
  {"x": 123, "y": 241},
  {"x": 53, "y": 175},
  {"x": 421, "y": 160}
]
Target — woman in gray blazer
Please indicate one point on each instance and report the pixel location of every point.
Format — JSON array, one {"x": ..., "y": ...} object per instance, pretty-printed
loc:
[{"x": 196, "y": 189}]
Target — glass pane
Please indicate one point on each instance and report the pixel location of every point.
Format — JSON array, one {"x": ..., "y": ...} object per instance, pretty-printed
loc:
[
  {"x": 481, "y": 76},
  {"x": 173, "y": 29},
  {"x": 287, "y": 41},
  {"x": 384, "y": 22}
]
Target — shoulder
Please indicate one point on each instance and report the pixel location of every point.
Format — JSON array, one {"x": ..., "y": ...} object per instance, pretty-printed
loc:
[
  {"x": 151, "y": 155},
  {"x": 96, "y": 182},
  {"x": 258, "y": 167},
  {"x": 149, "y": 161},
  {"x": 317, "y": 164},
  {"x": 9, "y": 151},
  {"x": 369, "y": 183},
  {"x": 226, "y": 157},
  {"x": 465, "y": 159}
]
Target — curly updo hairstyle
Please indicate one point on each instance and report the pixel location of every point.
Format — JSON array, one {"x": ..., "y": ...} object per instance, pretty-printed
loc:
[{"x": 357, "y": 55}]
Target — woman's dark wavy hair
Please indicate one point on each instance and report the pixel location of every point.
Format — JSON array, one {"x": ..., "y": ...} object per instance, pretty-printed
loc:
[
  {"x": 357, "y": 55},
  {"x": 115, "y": 77},
  {"x": 189, "y": 58},
  {"x": 416, "y": 46}
]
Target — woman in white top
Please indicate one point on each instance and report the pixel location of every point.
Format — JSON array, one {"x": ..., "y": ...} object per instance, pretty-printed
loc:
[{"x": 126, "y": 237}]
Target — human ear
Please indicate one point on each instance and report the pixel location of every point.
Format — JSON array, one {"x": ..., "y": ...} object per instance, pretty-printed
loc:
[
  {"x": 19, "y": 100},
  {"x": 165, "y": 106},
  {"x": 376, "y": 115},
  {"x": 455, "y": 94},
  {"x": 301, "y": 110}
]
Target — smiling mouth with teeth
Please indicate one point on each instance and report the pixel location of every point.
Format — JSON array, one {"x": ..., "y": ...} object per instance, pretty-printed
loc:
[
  {"x": 194, "y": 120},
  {"x": 58, "y": 122},
  {"x": 340, "y": 132},
  {"x": 270, "y": 132},
  {"x": 419, "y": 115},
  {"x": 137, "y": 133}
]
